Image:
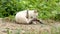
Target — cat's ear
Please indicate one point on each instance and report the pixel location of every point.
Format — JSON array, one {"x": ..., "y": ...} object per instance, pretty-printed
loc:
[{"x": 35, "y": 11}]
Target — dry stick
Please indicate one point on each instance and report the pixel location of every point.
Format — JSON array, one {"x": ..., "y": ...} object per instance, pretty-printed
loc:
[{"x": 37, "y": 20}]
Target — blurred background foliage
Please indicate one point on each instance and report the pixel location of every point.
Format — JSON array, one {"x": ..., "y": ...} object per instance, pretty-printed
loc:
[{"x": 48, "y": 9}]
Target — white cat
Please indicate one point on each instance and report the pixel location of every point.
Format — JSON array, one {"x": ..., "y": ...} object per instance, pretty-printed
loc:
[{"x": 21, "y": 17}]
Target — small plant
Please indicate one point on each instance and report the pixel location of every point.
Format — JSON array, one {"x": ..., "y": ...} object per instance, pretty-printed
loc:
[
  {"x": 8, "y": 31},
  {"x": 17, "y": 31}
]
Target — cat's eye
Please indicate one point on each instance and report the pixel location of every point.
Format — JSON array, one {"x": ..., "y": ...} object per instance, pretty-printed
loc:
[{"x": 31, "y": 17}]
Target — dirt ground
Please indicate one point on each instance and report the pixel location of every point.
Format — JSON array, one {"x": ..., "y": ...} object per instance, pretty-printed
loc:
[{"x": 37, "y": 28}]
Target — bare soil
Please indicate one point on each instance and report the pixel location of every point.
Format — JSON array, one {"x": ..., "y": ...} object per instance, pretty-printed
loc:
[{"x": 37, "y": 28}]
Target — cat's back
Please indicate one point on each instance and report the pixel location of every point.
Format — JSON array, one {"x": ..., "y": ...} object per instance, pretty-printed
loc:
[{"x": 21, "y": 13}]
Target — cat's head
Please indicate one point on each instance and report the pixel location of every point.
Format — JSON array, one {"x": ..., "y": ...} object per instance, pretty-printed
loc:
[{"x": 33, "y": 13}]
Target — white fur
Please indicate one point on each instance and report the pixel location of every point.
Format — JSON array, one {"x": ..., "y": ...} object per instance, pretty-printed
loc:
[{"x": 21, "y": 16}]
